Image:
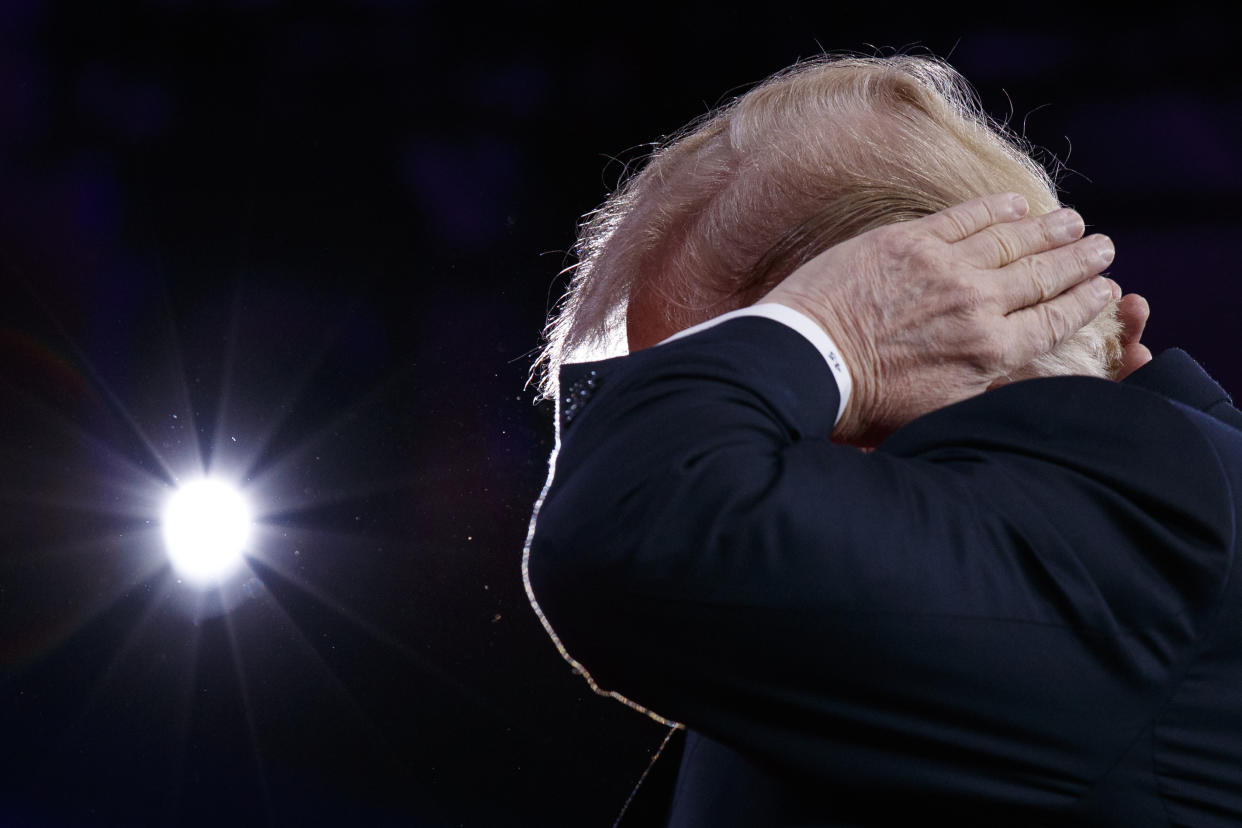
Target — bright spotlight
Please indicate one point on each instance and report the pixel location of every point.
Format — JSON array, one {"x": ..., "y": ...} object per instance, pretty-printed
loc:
[{"x": 206, "y": 526}]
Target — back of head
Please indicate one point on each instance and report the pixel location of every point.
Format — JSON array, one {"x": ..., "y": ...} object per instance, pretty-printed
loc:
[{"x": 816, "y": 154}]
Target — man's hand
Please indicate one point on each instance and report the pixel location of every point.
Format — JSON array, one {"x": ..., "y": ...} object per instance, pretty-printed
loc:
[{"x": 933, "y": 311}]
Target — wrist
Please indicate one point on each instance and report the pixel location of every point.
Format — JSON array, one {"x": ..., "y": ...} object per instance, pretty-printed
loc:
[
  {"x": 857, "y": 424},
  {"x": 837, "y": 341}
]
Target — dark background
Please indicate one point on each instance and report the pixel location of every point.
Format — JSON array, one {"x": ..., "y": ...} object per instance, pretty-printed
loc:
[{"x": 314, "y": 246}]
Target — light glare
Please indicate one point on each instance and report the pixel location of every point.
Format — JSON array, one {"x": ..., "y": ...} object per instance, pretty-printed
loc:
[{"x": 206, "y": 526}]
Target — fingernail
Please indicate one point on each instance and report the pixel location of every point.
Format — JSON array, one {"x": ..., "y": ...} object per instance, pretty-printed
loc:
[
  {"x": 1115, "y": 287},
  {"x": 1103, "y": 251},
  {"x": 1103, "y": 288},
  {"x": 1018, "y": 204},
  {"x": 1069, "y": 226}
]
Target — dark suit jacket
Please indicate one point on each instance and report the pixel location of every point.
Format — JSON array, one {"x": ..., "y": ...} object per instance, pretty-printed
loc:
[{"x": 1020, "y": 610}]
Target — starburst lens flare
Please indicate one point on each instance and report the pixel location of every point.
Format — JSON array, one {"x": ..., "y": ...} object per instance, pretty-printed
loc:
[{"x": 206, "y": 527}]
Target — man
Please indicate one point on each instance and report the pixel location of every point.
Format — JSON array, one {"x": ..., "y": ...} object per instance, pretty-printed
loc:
[{"x": 1017, "y": 609}]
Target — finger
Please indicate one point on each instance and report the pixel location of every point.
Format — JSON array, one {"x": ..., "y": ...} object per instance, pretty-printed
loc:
[
  {"x": 1036, "y": 330},
  {"x": 966, "y": 219},
  {"x": 1133, "y": 312},
  {"x": 1000, "y": 244},
  {"x": 1133, "y": 357},
  {"x": 1041, "y": 276}
]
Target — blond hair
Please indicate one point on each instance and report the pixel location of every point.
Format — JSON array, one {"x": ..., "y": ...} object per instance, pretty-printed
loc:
[{"x": 812, "y": 156}]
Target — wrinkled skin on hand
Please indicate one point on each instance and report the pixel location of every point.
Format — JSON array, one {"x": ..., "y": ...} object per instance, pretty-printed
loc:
[{"x": 933, "y": 311}]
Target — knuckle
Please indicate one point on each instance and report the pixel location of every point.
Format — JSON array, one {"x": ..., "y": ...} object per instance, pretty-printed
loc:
[
  {"x": 1056, "y": 322},
  {"x": 993, "y": 351},
  {"x": 905, "y": 243},
  {"x": 1005, "y": 249},
  {"x": 1084, "y": 260},
  {"x": 1037, "y": 273},
  {"x": 969, "y": 294},
  {"x": 991, "y": 207},
  {"x": 960, "y": 219},
  {"x": 1043, "y": 280},
  {"x": 930, "y": 263},
  {"x": 1049, "y": 235}
]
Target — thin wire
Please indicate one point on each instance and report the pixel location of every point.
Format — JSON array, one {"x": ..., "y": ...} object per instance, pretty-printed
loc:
[{"x": 667, "y": 736}]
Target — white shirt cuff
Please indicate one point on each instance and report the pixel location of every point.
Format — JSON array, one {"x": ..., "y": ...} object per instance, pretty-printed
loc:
[{"x": 801, "y": 323}]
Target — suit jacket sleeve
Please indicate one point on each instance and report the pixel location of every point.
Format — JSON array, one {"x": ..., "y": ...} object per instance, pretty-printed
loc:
[{"x": 992, "y": 605}]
